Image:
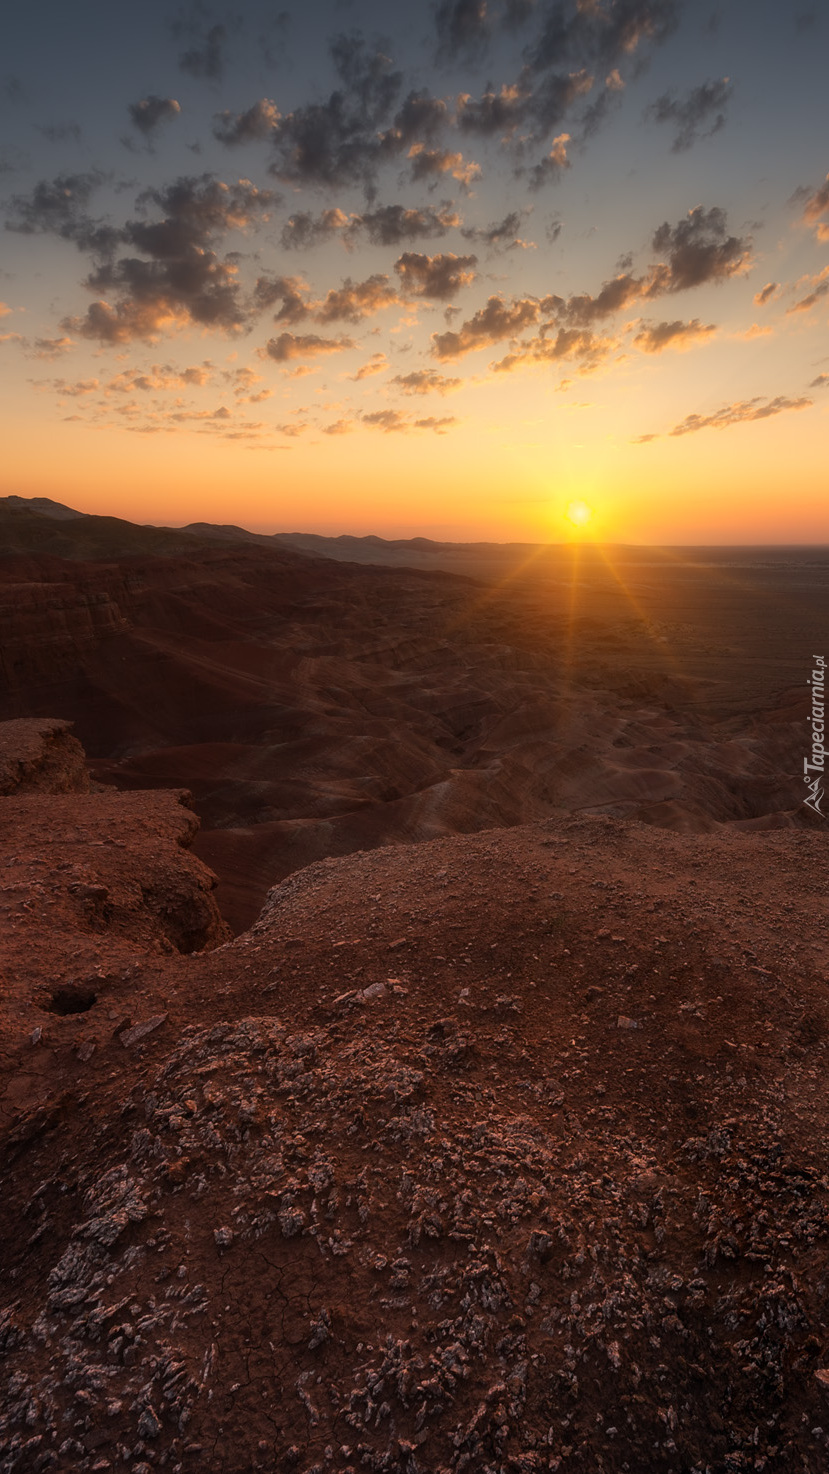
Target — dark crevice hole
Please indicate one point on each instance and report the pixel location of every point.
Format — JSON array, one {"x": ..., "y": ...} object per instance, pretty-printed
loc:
[{"x": 71, "y": 1000}]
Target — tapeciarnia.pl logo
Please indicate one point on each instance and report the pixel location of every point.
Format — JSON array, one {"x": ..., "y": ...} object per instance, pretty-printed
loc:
[{"x": 816, "y": 764}]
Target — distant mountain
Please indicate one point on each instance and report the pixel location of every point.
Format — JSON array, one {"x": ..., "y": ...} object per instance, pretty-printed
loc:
[
  {"x": 77, "y": 536},
  {"x": 43, "y": 505}
]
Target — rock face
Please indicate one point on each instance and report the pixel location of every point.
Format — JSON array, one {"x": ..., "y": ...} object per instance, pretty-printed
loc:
[
  {"x": 383, "y": 1185},
  {"x": 41, "y": 756}
]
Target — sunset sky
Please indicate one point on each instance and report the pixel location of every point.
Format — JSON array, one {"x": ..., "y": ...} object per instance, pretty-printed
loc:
[{"x": 441, "y": 269}]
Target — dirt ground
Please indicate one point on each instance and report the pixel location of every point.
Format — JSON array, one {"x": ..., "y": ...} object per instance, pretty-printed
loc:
[{"x": 499, "y": 1152}]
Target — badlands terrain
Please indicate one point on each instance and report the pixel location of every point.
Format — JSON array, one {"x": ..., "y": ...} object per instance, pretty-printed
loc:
[{"x": 476, "y": 1119}]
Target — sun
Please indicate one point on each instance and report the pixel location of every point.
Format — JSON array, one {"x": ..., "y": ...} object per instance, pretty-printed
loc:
[{"x": 579, "y": 514}]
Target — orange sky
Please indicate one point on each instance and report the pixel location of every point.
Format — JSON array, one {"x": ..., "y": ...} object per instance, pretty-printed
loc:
[{"x": 623, "y": 301}]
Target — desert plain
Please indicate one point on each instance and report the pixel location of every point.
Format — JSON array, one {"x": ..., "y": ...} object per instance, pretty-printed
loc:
[{"x": 414, "y": 1006}]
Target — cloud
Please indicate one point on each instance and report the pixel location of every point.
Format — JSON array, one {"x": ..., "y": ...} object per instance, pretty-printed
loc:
[
  {"x": 491, "y": 324},
  {"x": 816, "y": 210},
  {"x": 51, "y": 347},
  {"x": 736, "y": 414},
  {"x": 259, "y": 122},
  {"x": 151, "y": 112},
  {"x": 5, "y": 309},
  {"x": 184, "y": 281},
  {"x": 766, "y": 293},
  {"x": 655, "y": 337},
  {"x": 576, "y": 41},
  {"x": 355, "y": 300},
  {"x": 501, "y": 235},
  {"x": 391, "y": 225},
  {"x": 339, "y": 427},
  {"x": 582, "y": 310},
  {"x": 289, "y": 346},
  {"x": 435, "y": 276},
  {"x": 388, "y": 225},
  {"x": 343, "y": 140},
  {"x": 207, "y": 58},
  {"x": 698, "y": 250},
  {"x": 374, "y": 365},
  {"x": 290, "y": 291},
  {"x": 391, "y": 420},
  {"x": 820, "y": 288},
  {"x": 821, "y": 382},
  {"x": 56, "y": 207},
  {"x": 60, "y": 132},
  {"x": 425, "y": 381},
  {"x": 699, "y": 114},
  {"x": 572, "y": 344},
  {"x": 552, "y": 166},
  {"x": 304, "y": 230},
  {"x": 463, "y": 28},
  {"x": 432, "y": 164}
]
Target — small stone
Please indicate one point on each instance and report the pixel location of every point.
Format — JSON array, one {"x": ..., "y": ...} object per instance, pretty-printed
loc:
[
  {"x": 37, "y": 1034},
  {"x": 224, "y": 1237},
  {"x": 627, "y": 1023},
  {"x": 374, "y": 990},
  {"x": 593, "y": 993},
  {"x": 822, "y": 1375},
  {"x": 148, "y": 1424},
  {"x": 140, "y": 1031}
]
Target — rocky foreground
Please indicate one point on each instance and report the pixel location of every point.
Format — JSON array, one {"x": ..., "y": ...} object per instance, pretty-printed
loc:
[{"x": 503, "y": 1152}]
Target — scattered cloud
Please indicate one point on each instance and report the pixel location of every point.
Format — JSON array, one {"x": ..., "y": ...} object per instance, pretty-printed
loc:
[
  {"x": 698, "y": 250},
  {"x": 388, "y": 225},
  {"x": 56, "y": 207},
  {"x": 51, "y": 347},
  {"x": 501, "y": 235},
  {"x": 374, "y": 365},
  {"x": 304, "y": 229},
  {"x": 355, "y": 300},
  {"x": 60, "y": 132},
  {"x": 699, "y": 114},
  {"x": 343, "y": 139},
  {"x": 576, "y": 42},
  {"x": 438, "y": 276},
  {"x": 816, "y": 209},
  {"x": 463, "y": 28},
  {"x": 425, "y": 381},
  {"x": 392, "y": 225},
  {"x": 490, "y": 324},
  {"x": 820, "y": 288},
  {"x": 308, "y": 345},
  {"x": 766, "y": 293},
  {"x": 821, "y": 382},
  {"x": 151, "y": 112},
  {"x": 259, "y": 122},
  {"x": 208, "y": 56},
  {"x": 736, "y": 414},
  {"x": 432, "y": 164},
  {"x": 568, "y": 344},
  {"x": 655, "y": 337},
  {"x": 339, "y": 427},
  {"x": 177, "y": 278},
  {"x": 290, "y": 291},
  {"x": 391, "y": 420},
  {"x": 554, "y": 163}
]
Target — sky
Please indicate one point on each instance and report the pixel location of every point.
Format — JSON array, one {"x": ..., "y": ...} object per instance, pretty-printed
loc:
[{"x": 472, "y": 269}]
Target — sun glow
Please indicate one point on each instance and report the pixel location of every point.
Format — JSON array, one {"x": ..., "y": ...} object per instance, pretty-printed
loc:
[{"x": 579, "y": 514}]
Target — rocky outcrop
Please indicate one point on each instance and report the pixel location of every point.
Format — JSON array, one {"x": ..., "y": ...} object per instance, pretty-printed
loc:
[{"x": 40, "y": 755}]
